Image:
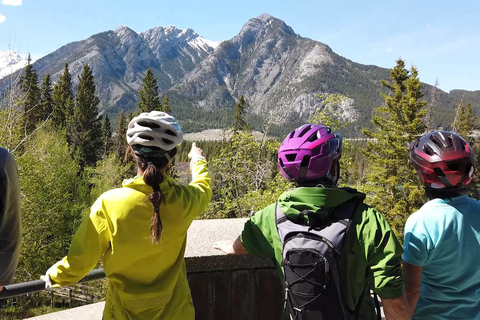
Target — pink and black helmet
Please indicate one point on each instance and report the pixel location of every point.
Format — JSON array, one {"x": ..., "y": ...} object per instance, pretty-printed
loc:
[
  {"x": 442, "y": 160},
  {"x": 309, "y": 153}
]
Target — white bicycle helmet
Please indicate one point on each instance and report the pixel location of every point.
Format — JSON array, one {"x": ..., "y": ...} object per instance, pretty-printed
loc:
[{"x": 154, "y": 129}]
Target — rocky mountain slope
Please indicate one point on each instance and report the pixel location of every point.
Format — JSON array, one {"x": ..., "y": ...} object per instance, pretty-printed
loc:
[
  {"x": 276, "y": 70},
  {"x": 279, "y": 73},
  {"x": 120, "y": 58}
]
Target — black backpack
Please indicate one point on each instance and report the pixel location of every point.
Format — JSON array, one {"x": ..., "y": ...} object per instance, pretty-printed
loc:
[{"x": 311, "y": 261}]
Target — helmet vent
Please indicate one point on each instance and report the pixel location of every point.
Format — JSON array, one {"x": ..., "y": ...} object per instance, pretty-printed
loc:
[
  {"x": 436, "y": 141},
  {"x": 428, "y": 150},
  {"x": 149, "y": 124},
  {"x": 291, "y": 157},
  {"x": 450, "y": 141},
  {"x": 304, "y": 167},
  {"x": 304, "y": 130},
  {"x": 313, "y": 137},
  {"x": 453, "y": 166},
  {"x": 145, "y": 137},
  {"x": 167, "y": 141},
  {"x": 170, "y": 132}
]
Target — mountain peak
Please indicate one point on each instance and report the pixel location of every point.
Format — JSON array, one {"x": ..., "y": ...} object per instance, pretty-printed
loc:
[
  {"x": 265, "y": 17},
  {"x": 260, "y": 26},
  {"x": 123, "y": 30},
  {"x": 10, "y": 61}
]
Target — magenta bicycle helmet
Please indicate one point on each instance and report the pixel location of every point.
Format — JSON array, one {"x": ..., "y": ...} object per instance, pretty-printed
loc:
[
  {"x": 309, "y": 153},
  {"x": 442, "y": 160}
]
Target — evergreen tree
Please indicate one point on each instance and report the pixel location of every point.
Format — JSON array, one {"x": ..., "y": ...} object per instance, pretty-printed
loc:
[
  {"x": 239, "y": 116},
  {"x": 392, "y": 184},
  {"x": 166, "y": 105},
  {"x": 431, "y": 106},
  {"x": 62, "y": 92},
  {"x": 87, "y": 132},
  {"x": 69, "y": 113},
  {"x": 149, "y": 99},
  {"x": 465, "y": 121},
  {"x": 119, "y": 140},
  {"x": 46, "y": 98},
  {"x": 31, "y": 101},
  {"x": 106, "y": 135}
]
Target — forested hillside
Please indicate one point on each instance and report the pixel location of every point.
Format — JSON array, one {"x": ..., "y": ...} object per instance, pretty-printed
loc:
[{"x": 278, "y": 72}]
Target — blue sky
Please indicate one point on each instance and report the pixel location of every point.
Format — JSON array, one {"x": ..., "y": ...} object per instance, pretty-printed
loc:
[{"x": 441, "y": 38}]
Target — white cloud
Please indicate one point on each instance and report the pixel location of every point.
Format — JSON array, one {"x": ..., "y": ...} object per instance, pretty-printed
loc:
[
  {"x": 2, "y": 18},
  {"x": 389, "y": 49},
  {"x": 12, "y": 2}
]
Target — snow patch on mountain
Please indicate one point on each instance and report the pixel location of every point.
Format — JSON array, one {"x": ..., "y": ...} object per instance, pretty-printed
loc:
[{"x": 10, "y": 61}]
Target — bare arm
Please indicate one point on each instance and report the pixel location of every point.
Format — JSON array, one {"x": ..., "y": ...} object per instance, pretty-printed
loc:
[
  {"x": 230, "y": 247},
  {"x": 396, "y": 309},
  {"x": 413, "y": 284}
]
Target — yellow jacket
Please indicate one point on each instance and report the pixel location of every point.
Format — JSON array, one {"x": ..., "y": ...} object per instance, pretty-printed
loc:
[{"x": 146, "y": 281}]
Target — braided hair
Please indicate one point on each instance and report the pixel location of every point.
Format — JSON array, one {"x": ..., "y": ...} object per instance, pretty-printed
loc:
[{"x": 152, "y": 167}]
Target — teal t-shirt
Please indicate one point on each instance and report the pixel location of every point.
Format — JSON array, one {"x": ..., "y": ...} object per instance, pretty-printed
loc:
[{"x": 443, "y": 237}]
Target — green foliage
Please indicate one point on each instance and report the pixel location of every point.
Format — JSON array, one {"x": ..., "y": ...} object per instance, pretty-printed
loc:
[
  {"x": 52, "y": 201},
  {"x": 15, "y": 313},
  {"x": 86, "y": 129},
  {"x": 239, "y": 115},
  {"x": 62, "y": 92},
  {"x": 11, "y": 133},
  {"x": 166, "y": 105},
  {"x": 329, "y": 114},
  {"x": 242, "y": 166},
  {"x": 148, "y": 95},
  {"x": 106, "y": 135},
  {"x": 392, "y": 185},
  {"x": 465, "y": 122},
  {"x": 431, "y": 107},
  {"x": 119, "y": 140},
  {"x": 46, "y": 100},
  {"x": 255, "y": 200},
  {"x": 108, "y": 174}
]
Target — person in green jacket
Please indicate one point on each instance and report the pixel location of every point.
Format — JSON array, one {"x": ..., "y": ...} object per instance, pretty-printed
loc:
[
  {"x": 371, "y": 254},
  {"x": 139, "y": 231}
]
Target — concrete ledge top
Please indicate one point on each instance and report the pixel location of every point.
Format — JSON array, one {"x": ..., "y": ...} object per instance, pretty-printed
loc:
[
  {"x": 200, "y": 255},
  {"x": 203, "y": 233},
  {"x": 92, "y": 311}
]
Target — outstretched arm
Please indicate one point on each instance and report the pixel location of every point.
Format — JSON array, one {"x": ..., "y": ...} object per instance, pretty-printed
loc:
[
  {"x": 230, "y": 247},
  {"x": 88, "y": 246}
]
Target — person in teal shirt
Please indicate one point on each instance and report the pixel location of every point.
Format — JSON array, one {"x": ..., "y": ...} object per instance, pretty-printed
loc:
[
  {"x": 371, "y": 256},
  {"x": 442, "y": 239}
]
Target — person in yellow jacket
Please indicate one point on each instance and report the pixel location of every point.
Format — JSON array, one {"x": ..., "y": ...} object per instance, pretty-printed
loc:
[{"x": 139, "y": 231}]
